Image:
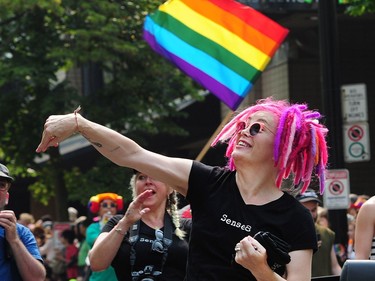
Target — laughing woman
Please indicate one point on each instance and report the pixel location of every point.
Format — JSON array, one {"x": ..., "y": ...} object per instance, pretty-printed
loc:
[
  {"x": 147, "y": 241},
  {"x": 267, "y": 143}
]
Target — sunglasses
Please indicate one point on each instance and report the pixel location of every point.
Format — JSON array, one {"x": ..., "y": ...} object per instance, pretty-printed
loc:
[
  {"x": 4, "y": 185},
  {"x": 108, "y": 205},
  {"x": 254, "y": 129},
  {"x": 157, "y": 245}
]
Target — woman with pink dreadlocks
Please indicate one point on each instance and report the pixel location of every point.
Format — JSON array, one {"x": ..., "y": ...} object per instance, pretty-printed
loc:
[{"x": 245, "y": 227}]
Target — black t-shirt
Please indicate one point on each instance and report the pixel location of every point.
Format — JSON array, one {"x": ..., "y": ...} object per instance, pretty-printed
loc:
[
  {"x": 175, "y": 264},
  {"x": 221, "y": 219}
]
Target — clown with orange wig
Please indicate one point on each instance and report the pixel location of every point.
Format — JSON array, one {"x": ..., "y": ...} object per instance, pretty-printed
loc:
[{"x": 244, "y": 225}]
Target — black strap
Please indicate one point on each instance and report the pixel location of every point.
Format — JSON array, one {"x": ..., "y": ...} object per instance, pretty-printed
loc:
[
  {"x": 134, "y": 232},
  {"x": 167, "y": 239},
  {"x": 7, "y": 250}
]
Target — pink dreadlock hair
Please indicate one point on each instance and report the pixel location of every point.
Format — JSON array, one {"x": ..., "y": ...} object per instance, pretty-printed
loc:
[{"x": 300, "y": 146}]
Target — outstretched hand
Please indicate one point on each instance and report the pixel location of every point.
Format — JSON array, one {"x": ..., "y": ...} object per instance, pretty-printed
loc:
[{"x": 56, "y": 129}]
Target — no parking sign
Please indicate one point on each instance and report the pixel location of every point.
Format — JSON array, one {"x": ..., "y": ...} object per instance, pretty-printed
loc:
[
  {"x": 337, "y": 189},
  {"x": 356, "y": 142}
]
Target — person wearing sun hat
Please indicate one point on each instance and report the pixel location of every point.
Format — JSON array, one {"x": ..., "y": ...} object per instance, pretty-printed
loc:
[
  {"x": 324, "y": 259},
  {"x": 4, "y": 173},
  {"x": 20, "y": 258}
]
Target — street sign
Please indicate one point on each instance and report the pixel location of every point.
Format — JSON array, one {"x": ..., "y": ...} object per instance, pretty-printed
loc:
[
  {"x": 356, "y": 142},
  {"x": 337, "y": 189},
  {"x": 354, "y": 103}
]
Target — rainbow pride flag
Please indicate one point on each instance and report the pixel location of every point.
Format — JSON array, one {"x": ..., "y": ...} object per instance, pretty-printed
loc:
[{"x": 221, "y": 44}]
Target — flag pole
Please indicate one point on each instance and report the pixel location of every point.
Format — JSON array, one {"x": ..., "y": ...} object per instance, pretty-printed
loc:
[{"x": 218, "y": 129}]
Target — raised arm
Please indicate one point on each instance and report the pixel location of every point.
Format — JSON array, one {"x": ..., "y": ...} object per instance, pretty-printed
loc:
[{"x": 117, "y": 148}]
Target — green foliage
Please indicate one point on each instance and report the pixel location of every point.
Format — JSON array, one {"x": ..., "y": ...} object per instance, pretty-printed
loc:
[
  {"x": 359, "y": 7},
  {"x": 41, "y": 39},
  {"x": 42, "y": 192},
  {"x": 104, "y": 177}
]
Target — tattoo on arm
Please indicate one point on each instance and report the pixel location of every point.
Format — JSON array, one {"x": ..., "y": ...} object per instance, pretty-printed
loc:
[
  {"x": 97, "y": 144},
  {"x": 116, "y": 148}
]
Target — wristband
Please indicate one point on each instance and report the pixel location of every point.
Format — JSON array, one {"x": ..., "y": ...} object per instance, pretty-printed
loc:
[
  {"x": 75, "y": 115},
  {"x": 119, "y": 231}
]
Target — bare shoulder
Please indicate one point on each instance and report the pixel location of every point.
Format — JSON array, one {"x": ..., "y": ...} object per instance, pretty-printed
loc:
[
  {"x": 369, "y": 204},
  {"x": 367, "y": 210}
]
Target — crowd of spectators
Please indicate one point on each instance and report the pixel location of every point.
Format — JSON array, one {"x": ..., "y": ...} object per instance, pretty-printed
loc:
[{"x": 65, "y": 252}]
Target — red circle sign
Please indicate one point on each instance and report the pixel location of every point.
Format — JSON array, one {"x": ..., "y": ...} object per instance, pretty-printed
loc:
[
  {"x": 355, "y": 133},
  {"x": 336, "y": 187}
]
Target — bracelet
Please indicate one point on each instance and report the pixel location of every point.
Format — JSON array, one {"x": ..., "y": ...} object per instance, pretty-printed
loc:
[
  {"x": 75, "y": 115},
  {"x": 119, "y": 231}
]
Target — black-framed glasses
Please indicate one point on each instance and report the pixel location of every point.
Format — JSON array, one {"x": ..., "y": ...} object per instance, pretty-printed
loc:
[
  {"x": 254, "y": 129},
  {"x": 157, "y": 245},
  {"x": 108, "y": 205},
  {"x": 4, "y": 185}
]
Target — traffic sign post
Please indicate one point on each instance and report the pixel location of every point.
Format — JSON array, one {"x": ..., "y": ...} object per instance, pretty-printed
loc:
[
  {"x": 356, "y": 142},
  {"x": 337, "y": 189},
  {"x": 356, "y": 130},
  {"x": 354, "y": 103}
]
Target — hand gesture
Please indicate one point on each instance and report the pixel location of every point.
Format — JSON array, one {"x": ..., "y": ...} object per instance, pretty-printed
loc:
[
  {"x": 135, "y": 209},
  {"x": 58, "y": 128},
  {"x": 9, "y": 222}
]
